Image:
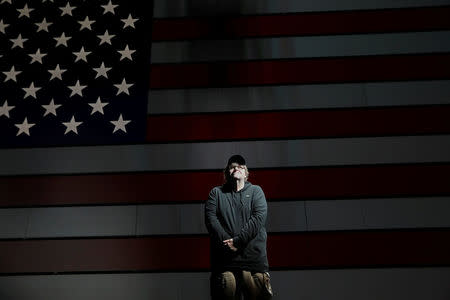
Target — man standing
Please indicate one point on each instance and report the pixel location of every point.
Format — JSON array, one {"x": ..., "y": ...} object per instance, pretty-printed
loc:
[{"x": 235, "y": 216}]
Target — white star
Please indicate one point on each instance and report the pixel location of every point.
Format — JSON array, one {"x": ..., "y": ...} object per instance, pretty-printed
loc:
[
  {"x": 123, "y": 87},
  {"x": 77, "y": 89},
  {"x": 6, "y": 1},
  {"x": 129, "y": 22},
  {"x": 57, "y": 72},
  {"x": 62, "y": 40},
  {"x": 126, "y": 53},
  {"x": 51, "y": 108},
  {"x": 4, "y": 110},
  {"x": 98, "y": 106},
  {"x": 31, "y": 91},
  {"x": 72, "y": 125},
  {"x": 3, "y": 26},
  {"x": 67, "y": 10},
  {"x": 25, "y": 11},
  {"x": 37, "y": 57},
  {"x": 81, "y": 54},
  {"x": 11, "y": 75},
  {"x": 24, "y": 127},
  {"x": 43, "y": 25},
  {"x": 120, "y": 124},
  {"x": 101, "y": 71},
  {"x": 18, "y": 42},
  {"x": 86, "y": 24},
  {"x": 106, "y": 38},
  {"x": 109, "y": 7}
]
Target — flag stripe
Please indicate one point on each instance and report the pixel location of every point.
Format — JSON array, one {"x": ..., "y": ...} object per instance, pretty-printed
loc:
[
  {"x": 318, "y": 70},
  {"x": 182, "y": 8},
  {"x": 213, "y": 155},
  {"x": 301, "y": 47},
  {"x": 179, "y": 219},
  {"x": 350, "y": 284},
  {"x": 287, "y": 251},
  {"x": 299, "y": 97},
  {"x": 344, "y": 249},
  {"x": 299, "y": 124},
  {"x": 278, "y": 184},
  {"x": 318, "y": 23}
]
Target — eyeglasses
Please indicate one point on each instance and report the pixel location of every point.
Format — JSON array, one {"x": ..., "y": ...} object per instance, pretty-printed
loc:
[{"x": 233, "y": 166}]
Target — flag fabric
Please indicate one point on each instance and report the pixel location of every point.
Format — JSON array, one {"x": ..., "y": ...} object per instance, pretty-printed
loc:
[
  {"x": 341, "y": 110},
  {"x": 73, "y": 72}
]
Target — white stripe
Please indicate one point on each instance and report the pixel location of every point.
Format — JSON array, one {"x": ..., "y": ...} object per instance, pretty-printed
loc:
[
  {"x": 161, "y": 286},
  {"x": 132, "y": 220},
  {"x": 358, "y": 284},
  {"x": 201, "y": 156},
  {"x": 349, "y": 284},
  {"x": 383, "y": 213},
  {"x": 181, "y": 8},
  {"x": 301, "y": 47},
  {"x": 68, "y": 221},
  {"x": 299, "y": 97}
]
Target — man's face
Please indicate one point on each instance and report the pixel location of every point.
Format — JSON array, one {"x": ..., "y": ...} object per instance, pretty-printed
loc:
[{"x": 236, "y": 171}]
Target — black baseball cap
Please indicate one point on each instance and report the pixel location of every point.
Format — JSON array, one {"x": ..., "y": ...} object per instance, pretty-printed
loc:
[{"x": 236, "y": 159}]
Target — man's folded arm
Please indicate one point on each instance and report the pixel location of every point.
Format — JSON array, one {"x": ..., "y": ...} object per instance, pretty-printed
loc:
[{"x": 256, "y": 221}]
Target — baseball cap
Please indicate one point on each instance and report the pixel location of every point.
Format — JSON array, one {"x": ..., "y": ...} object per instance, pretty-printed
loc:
[{"x": 236, "y": 159}]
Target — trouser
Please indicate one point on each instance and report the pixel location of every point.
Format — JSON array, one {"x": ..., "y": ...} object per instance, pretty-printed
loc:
[{"x": 234, "y": 285}]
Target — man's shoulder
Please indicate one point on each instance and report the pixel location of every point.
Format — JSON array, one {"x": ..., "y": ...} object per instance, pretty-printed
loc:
[
  {"x": 257, "y": 191},
  {"x": 255, "y": 187},
  {"x": 217, "y": 190}
]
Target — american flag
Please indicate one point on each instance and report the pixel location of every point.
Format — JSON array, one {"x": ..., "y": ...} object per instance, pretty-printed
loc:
[
  {"x": 73, "y": 72},
  {"x": 341, "y": 109}
]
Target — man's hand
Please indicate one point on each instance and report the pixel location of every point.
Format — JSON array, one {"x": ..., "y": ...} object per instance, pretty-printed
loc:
[{"x": 230, "y": 245}]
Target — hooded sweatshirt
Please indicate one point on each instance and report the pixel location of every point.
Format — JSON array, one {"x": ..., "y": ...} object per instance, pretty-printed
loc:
[{"x": 241, "y": 216}]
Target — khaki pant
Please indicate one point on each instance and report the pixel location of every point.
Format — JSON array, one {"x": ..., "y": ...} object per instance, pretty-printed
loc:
[{"x": 232, "y": 285}]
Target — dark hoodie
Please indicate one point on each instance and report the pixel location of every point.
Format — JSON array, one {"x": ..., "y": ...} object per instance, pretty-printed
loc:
[{"x": 241, "y": 216}]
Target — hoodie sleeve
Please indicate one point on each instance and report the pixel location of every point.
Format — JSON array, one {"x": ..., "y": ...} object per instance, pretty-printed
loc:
[
  {"x": 256, "y": 222},
  {"x": 212, "y": 223}
]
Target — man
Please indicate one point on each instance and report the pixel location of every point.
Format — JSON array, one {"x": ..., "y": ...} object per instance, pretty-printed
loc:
[{"x": 235, "y": 216}]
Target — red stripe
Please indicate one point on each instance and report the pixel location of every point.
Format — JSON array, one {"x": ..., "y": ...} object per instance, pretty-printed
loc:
[
  {"x": 354, "y": 249},
  {"x": 290, "y": 251},
  {"x": 299, "y": 71},
  {"x": 343, "y": 22},
  {"x": 301, "y": 183},
  {"x": 87, "y": 255},
  {"x": 298, "y": 124}
]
